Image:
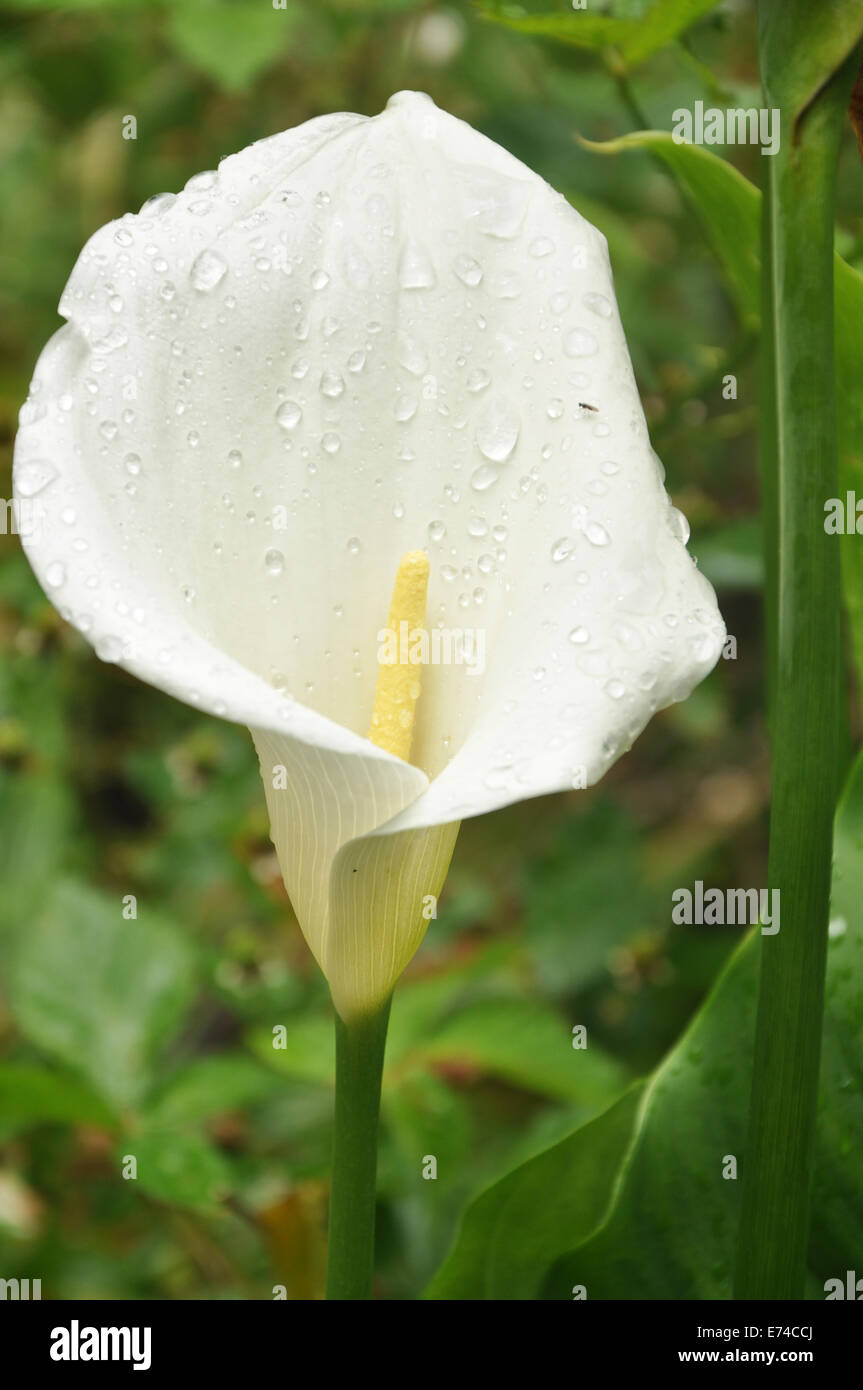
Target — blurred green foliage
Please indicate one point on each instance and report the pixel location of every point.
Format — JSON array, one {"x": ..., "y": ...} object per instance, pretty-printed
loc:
[{"x": 152, "y": 1035}]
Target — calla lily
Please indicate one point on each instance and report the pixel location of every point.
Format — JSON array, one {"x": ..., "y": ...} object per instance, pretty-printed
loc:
[{"x": 359, "y": 339}]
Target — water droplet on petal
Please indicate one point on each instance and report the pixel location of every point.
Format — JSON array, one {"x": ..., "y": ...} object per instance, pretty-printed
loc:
[
  {"x": 478, "y": 380},
  {"x": 436, "y": 531},
  {"x": 598, "y": 304},
  {"x": 289, "y": 415},
  {"x": 207, "y": 270},
  {"x": 541, "y": 246},
  {"x": 562, "y": 549},
  {"x": 596, "y": 534},
  {"x": 579, "y": 343},
  {"x": 274, "y": 562},
  {"x": 331, "y": 442},
  {"x": 679, "y": 525},
  {"x": 34, "y": 475},
  {"x": 468, "y": 270},
  {"x": 484, "y": 477},
  {"x": 55, "y": 575},
  {"x": 579, "y": 636},
  {"x": 416, "y": 271},
  {"x": 412, "y": 355},
  {"x": 158, "y": 204},
  {"x": 332, "y": 384},
  {"x": 497, "y": 431}
]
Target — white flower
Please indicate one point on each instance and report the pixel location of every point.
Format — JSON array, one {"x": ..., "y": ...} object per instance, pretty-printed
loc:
[{"x": 356, "y": 339}]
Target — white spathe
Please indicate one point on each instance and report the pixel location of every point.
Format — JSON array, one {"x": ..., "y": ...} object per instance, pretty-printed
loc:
[{"x": 354, "y": 339}]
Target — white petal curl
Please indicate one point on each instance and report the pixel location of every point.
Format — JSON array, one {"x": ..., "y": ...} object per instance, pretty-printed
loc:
[{"x": 354, "y": 339}]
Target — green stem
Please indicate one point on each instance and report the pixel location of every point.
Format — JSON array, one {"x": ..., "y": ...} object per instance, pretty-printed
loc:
[
  {"x": 799, "y": 462},
  {"x": 360, "y": 1049}
]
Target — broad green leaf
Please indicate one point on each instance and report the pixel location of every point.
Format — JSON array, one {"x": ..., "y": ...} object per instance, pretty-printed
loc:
[
  {"x": 33, "y": 1095},
  {"x": 232, "y": 41},
  {"x": 516, "y": 1229},
  {"x": 583, "y": 898},
  {"x": 178, "y": 1167},
  {"x": 669, "y": 1231},
  {"x": 212, "y": 1086},
  {"x": 101, "y": 993},
  {"x": 515, "y": 1040},
  {"x": 636, "y": 38},
  {"x": 528, "y": 1045},
  {"x": 730, "y": 209},
  {"x": 802, "y": 45}
]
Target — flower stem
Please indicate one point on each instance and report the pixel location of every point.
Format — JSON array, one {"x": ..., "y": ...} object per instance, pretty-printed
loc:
[
  {"x": 360, "y": 1049},
  {"x": 799, "y": 459}
]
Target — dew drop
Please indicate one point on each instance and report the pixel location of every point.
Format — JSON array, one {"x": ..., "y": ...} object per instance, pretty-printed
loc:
[
  {"x": 331, "y": 442},
  {"x": 468, "y": 270},
  {"x": 484, "y": 477},
  {"x": 579, "y": 343},
  {"x": 562, "y": 549},
  {"x": 497, "y": 431},
  {"x": 34, "y": 475},
  {"x": 436, "y": 530},
  {"x": 332, "y": 384},
  {"x": 208, "y": 269},
  {"x": 412, "y": 355},
  {"x": 416, "y": 271},
  {"x": 579, "y": 636},
  {"x": 478, "y": 380},
  {"x": 274, "y": 562},
  {"x": 597, "y": 304},
  {"x": 679, "y": 525},
  {"x": 289, "y": 415},
  {"x": 541, "y": 246},
  {"x": 55, "y": 575},
  {"x": 596, "y": 534}
]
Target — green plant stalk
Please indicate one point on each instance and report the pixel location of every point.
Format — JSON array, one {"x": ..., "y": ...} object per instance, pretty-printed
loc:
[
  {"x": 360, "y": 1047},
  {"x": 800, "y": 474}
]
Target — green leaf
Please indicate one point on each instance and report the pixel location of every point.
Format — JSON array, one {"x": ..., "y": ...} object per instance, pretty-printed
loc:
[
  {"x": 528, "y": 1045},
  {"x": 33, "y": 1095},
  {"x": 583, "y": 898},
  {"x": 212, "y": 1086},
  {"x": 230, "y": 42},
  {"x": 668, "y": 1228},
  {"x": 524, "y": 1222},
  {"x": 635, "y": 38},
  {"x": 178, "y": 1167},
  {"x": 730, "y": 209},
  {"x": 101, "y": 993},
  {"x": 732, "y": 558},
  {"x": 801, "y": 47},
  {"x": 515, "y": 1040}
]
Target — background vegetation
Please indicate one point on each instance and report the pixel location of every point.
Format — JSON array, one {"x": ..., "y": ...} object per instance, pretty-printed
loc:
[{"x": 153, "y": 1036}]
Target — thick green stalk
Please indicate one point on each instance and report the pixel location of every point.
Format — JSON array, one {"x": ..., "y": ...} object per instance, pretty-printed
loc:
[
  {"x": 360, "y": 1049},
  {"x": 799, "y": 462}
]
